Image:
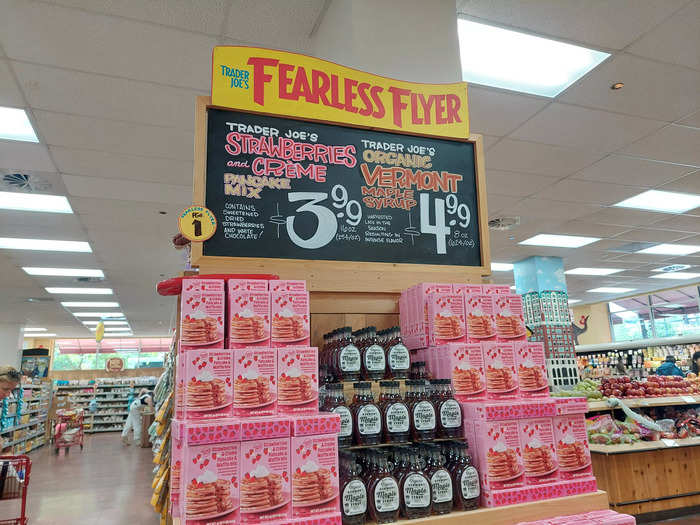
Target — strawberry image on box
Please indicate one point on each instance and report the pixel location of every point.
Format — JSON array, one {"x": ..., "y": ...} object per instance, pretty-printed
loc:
[
  {"x": 255, "y": 382},
  {"x": 532, "y": 370},
  {"x": 265, "y": 481},
  {"x": 501, "y": 374},
  {"x": 500, "y": 457},
  {"x": 446, "y": 319},
  {"x": 573, "y": 453},
  {"x": 465, "y": 364},
  {"x": 314, "y": 475},
  {"x": 478, "y": 310},
  {"x": 508, "y": 317},
  {"x": 538, "y": 451},
  {"x": 290, "y": 319},
  {"x": 287, "y": 286},
  {"x": 208, "y": 388},
  {"x": 202, "y": 310},
  {"x": 297, "y": 380},
  {"x": 249, "y": 319}
]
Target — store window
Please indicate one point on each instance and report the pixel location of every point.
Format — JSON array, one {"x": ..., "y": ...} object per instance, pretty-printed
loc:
[
  {"x": 86, "y": 354},
  {"x": 630, "y": 319}
]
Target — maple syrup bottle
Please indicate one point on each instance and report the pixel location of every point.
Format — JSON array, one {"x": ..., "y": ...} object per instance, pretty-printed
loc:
[
  {"x": 398, "y": 358},
  {"x": 396, "y": 419},
  {"x": 440, "y": 481},
  {"x": 367, "y": 418},
  {"x": 348, "y": 359},
  {"x": 335, "y": 402},
  {"x": 465, "y": 480},
  {"x": 373, "y": 357},
  {"x": 423, "y": 422},
  {"x": 353, "y": 503},
  {"x": 383, "y": 492},
  {"x": 416, "y": 497},
  {"x": 448, "y": 410}
]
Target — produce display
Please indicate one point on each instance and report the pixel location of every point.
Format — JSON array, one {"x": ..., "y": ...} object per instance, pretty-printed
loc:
[
  {"x": 654, "y": 386},
  {"x": 586, "y": 388},
  {"x": 674, "y": 424}
]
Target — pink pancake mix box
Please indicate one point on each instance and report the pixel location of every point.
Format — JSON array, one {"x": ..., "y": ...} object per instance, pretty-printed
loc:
[
  {"x": 297, "y": 380},
  {"x": 248, "y": 319},
  {"x": 265, "y": 491},
  {"x": 314, "y": 475},
  {"x": 202, "y": 314},
  {"x": 208, "y": 386},
  {"x": 571, "y": 440},
  {"x": 255, "y": 382},
  {"x": 287, "y": 286},
  {"x": 445, "y": 319},
  {"x": 478, "y": 309},
  {"x": 463, "y": 363},
  {"x": 334, "y": 518},
  {"x": 316, "y": 424},
  {"x": 532, "y": 370},
  {"x": 508, "y": 317},
  {"x": 505, "y": 410},
  {"x": 265, "y": 427},
  {"x": 496, "y": 289},
  {"x": 290, "y": 319},
  {"x": 468, "y": 288},
  {"x": 177, "y": 451},
  {"x": 571, "y": 405},
  {"x": 501, "y": 372},
  {"x": 247, "y": 285},
  {"x": 500, "y": 461},
  {"x": 210, "y": 484},
  {"x": 417, "y": 299},
  {"x": 538, "y": 450}
]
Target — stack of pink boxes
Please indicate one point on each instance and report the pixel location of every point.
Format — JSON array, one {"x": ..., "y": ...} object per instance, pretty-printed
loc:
[
  {"x": 526, "y": 445},
  {"x": 596, "y": 517},
  {"x": 248, "y": 443}
]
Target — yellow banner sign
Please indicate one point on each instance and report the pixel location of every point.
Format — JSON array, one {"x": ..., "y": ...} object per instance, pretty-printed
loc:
[{"x": 294, "y": 85}]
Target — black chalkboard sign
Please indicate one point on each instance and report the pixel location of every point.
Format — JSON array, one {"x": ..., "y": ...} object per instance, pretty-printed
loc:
[{"x": 283, "y": 188}]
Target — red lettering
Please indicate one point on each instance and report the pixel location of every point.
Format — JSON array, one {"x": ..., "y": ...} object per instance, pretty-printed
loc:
[
  {"x": 284, "y": 81},
  {"x": 233, "y": 147},
  {"x": 380, "y": 111},
  {"x": 370, "y": 178},
  {"x": 426, "y": 105},
  {"x": 320, "y": 84},
  {"x": 260, "y": 78},
  {"x": 350, "y": 95},
  {"x": 335, "y": 101},
  {"x": 301, "y": 85},
  {"x": 415, "y": 119},
  {"x": 364, "y": 97},
  {"x": 439, "y": 109},
  {"x": 453, "y": 104},
  {"x": 399, "y": 105}
]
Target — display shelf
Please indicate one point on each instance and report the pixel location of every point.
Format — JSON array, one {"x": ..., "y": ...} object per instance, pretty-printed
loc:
[
  {"x": 34, "y": 447},
  {"x": 405, "y": 444},
  {"x": 23, "y": 425},
  {"x": 114, "y": 429},
  {"x": 643, "y": 446},
  {"x": 597, "y": 406},
  {"x": 23, "y": 439},
  {"x": 110, "y": 414}
]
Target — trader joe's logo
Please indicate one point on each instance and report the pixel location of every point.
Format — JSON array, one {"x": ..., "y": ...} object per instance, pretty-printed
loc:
[
  {"x": 114, "y": 364},
  {"x": 238, "y": 78}
]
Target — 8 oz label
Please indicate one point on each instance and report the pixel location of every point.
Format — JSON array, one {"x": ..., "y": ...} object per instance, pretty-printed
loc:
[
  {"x": 374, "y": 359},
  {"x": 386, "y": 495},
  {"x": 450, "y": 414},
  {"x": 350, "y": 359},
  {"x": 369, "y": 420},
  {"x": 442, "y": 486},
  {"x": 354, "y": 498},
  {"x": 399, "y": 359},
  {"x": 397, "y": 418},
  {"x": 345, "y": 421},
  {"x": 470, "y": 483},
  {"x": 424, "y": 416},
  {"x": 416, "y": 491}
]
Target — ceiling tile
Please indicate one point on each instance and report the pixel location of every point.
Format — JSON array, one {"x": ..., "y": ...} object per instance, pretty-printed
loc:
[
  {"x": 532, "y": 157},
  {"x": 588, "y": 229},
  {"x": 582, "y": 128},
  {"x": 24, "y": 156},
  {"x": 624, "y": 217},
  {"x": 691, "y": 120},
  {"x": 689, "y": 184},
  {"x": 498, "y": 113},
  {"x": 650, "y": 235},
  {"x": 515, "y": 184},
  {"x": 631, "y": 171},
  {"x": 587, "y": 192},
  {"x": 676, "y": 40},
  {"x": 551, "y": 210},
  {"x": 205, "y": 17},
  {"x": 74, "y": 39},
  {"x": 652, "y": 89},
  {"x": 127, "y": 190},
  {"x": 107, "y": 214},
  {"x": 599, "y": 23},
  {"x": 489, "y": 141},
  {"x": 88, "y": 94},
  {"x": 10, "y": 95},
  {"x": 679, "y": 144},
  {"x": 498, "y": 203},
  {"x": 684, "y": 223},
  {"x": 113, "y": 136}
]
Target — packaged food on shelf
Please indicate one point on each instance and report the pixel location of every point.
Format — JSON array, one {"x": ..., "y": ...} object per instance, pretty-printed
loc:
[
  {"x": 297, "y": 380},
  {"x": 254, "y": 382},
  {"x": 202, "y": 314}
]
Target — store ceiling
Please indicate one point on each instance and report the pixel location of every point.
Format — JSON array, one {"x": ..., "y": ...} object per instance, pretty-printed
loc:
[{"x": 110, "y": 89}]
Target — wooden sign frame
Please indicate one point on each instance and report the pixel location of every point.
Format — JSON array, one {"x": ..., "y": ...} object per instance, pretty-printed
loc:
[{"x": 340, "y": 276}]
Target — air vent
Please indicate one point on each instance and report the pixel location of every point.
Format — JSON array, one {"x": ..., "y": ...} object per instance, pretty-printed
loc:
[
  {"x": 40, "y": 299},
  {"x": 89, "y": 279},
  {"x": 504, "y": 223},
  {"x": 25, "y": 182},
  {"x": 673, "y": 268}
]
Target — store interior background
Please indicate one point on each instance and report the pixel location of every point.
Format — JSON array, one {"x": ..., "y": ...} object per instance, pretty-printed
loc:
[{"x": 110, "y": 87}]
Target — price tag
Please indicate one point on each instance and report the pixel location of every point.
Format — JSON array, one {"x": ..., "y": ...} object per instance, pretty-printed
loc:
[
  {"x": 688, "y": 399},
  {"x": 670, "y": 442}
]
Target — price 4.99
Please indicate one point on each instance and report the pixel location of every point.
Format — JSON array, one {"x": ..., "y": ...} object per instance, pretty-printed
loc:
[{"x": 440, "y": 228}]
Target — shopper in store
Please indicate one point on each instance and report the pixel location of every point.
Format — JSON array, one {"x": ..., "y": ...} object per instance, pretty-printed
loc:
[
  {"x": 695, "y": 364},
  {"x": 9, "y": 380},
  {"x": 133, "y": 420},
  {"x": 669, "y": 368}
]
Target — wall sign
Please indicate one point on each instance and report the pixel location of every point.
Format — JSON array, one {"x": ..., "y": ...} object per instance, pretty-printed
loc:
[
  {"x": 290, "y": 189},
  {"x": 114, "y": 364},
  {"x": 294, "y": 85}
]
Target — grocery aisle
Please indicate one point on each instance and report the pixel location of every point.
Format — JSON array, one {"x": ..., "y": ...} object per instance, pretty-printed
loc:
[{"x": 105, "y": 484}]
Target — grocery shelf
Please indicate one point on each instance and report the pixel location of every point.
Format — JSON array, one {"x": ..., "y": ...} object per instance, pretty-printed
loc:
[
  {"x": 23, "y": 439},
  {"x": 642, "y": 446},
  {"x": 597, "y": 406},
  {"x": 109, "y": 414},
  {"x": 115, "y": 429},
  {"x": 405, "y": 443},
  {"x": 23, "y": 425}
]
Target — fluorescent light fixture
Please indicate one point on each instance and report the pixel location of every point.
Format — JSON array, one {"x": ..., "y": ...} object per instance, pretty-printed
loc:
[
  {"x": 46, "y": 245},
  {"x": 15, "y": 125},
  {"x": 520, "y": 62},
  {"x": 106, "y": 323},
  {"x": 559, "y": 241},
  {"x": 676, "y": 275},
  {"x": 593, "y": 271},
  {"x": 611, "y": 289},
  {"x": 671, "y": 249},
  {"x": 574, "y": 301},
  {"x": 628, "y": 315},
  {"x": 28, "y": 329},
  {"x": 672, "y": 268},
  {"x": 501, "y": 267},
  {"x": 98, "y": 314},
  {"x": 663, "y": 201},
  {"x": 512, "y": 287},
  {"x": 63, "y": 272},
  {"x": 79, "y": 291},
  {"x": 42, "y": 334},
  {"x": 90, "y": 304},
  {"x": 10, "y": 200},
  {"x": 614, "y": 307}
]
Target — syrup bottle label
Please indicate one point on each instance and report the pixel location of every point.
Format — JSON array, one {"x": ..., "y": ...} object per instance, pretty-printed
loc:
[
  {"x": 350, "y": 359},
  {"x": 369, "y": 420},
  {"x": 470, "y": 483},
  {"x": 399, "y": 358},
  {"x": 345, "y": 420},
  {"x": 354, "y": 498},
  {"x": 416, "y": 491},
  {"x": 424, "y": 416},
  {"x": 450, "y": 414},
  {"x": 441, "y": 482},
  {"x": 397, "y": 418},
  {"x": 374, "y": 359},
  {"x": 386, "y": 495}
]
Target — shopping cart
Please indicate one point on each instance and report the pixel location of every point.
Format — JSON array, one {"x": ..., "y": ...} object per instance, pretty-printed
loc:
[
  {"x": 67, "y": 429},
  {"x": 14, "y": 480}
]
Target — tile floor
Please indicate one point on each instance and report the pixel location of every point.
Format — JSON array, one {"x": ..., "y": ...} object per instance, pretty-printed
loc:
[{"x": 105, "y": 484}]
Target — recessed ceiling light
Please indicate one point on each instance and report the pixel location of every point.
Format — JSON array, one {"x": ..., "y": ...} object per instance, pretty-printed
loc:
[
  {"x": 663, "y": 201},
  {"x": 520, "y": 62},
  {"x": 614, "y": 307},
  {"x": 11, "y": 243},
  {"x": 501, "y": 267},
  {"x": 676, "y": 275},
  {"x": 15, "y": 125},
  {"x": 80, "y": 291},
  {"x": 98, "y": 314},
  {"x": 593, "y": 271},
  {"x": 672, "y": 268},
  {"x": 671, "y": 249},
  {"x": 90, "y": 304},
  {"x": 559, "y": 241},
  {"x": 611, "y": 289},
  {"x": 10, "y": 200},
  {"x": 572, "y": 301},
  {"x": 42, "y": 334},
  {"x": 617, "y": 85},
  {"x": 32, "y": 329},
  {"x": 106, "y": 323},
  {"x": 64, "y": 272}
]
